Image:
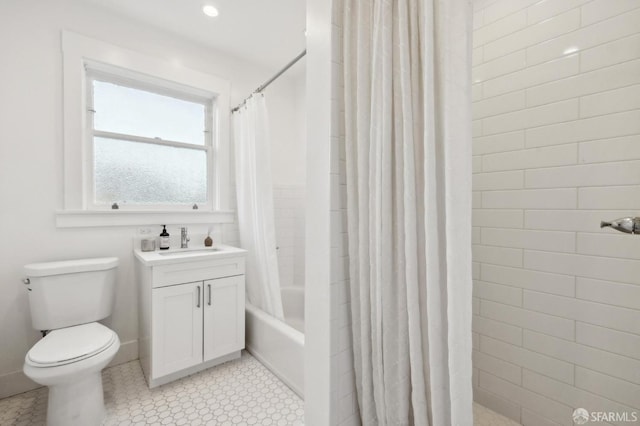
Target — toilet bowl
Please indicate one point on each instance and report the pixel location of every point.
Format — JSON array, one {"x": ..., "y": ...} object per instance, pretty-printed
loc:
[
  {"x": 67, "y": 298},
  {"x": 70, "y": 361}
]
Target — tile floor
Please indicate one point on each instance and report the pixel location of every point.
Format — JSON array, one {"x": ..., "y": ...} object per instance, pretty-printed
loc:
[
  {"x": 482, "y": 416},
  {"x": 240, "y": 392}
]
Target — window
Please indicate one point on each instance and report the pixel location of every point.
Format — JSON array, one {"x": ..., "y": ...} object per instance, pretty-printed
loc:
[
  {"x": 151, "y": 147},
  {"x": 142, "y": 131}
]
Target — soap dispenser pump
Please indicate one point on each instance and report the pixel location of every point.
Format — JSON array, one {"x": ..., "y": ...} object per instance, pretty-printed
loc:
[{"x": 164, "y": 238}]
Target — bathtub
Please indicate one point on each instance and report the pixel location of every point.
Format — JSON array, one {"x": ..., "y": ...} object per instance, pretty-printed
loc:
[{"x": 278, "y": 345}]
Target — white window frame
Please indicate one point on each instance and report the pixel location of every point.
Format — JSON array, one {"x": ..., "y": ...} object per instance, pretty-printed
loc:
[
  {"x": 93, "y": 74},
  {"x": 80, "y": 53}
]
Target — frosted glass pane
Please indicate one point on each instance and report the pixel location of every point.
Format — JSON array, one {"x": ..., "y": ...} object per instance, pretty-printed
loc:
[
  {"x": 121, "y": 109},
  {"x": 142, "y": 173}
]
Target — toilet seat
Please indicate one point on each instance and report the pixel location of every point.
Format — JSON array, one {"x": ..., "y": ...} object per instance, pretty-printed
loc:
[{"x": 70, "y": 344}]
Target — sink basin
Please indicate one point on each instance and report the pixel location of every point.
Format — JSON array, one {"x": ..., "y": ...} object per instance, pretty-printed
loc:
[
  {"x": 191, "y": 254},
  {"x": 182, "y": 252}
]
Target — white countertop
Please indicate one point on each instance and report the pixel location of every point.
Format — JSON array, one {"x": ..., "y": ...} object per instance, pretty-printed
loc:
[{"x": 171, "y": 256}]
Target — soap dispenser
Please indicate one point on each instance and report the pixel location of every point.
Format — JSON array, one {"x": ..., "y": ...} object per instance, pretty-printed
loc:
[
  {"x": 164, "y": 238},
  {"x": 208, "y": 242}
]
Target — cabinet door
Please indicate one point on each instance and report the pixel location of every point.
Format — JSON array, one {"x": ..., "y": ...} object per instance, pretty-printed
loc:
[
  {"x": 223, "y": 316},
  {"x": 177, "y": 327}
]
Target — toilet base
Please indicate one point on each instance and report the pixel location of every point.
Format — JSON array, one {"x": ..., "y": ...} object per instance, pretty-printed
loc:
[{"x": 79, "y": 403}]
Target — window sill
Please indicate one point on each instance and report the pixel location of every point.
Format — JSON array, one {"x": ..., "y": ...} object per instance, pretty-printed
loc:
[{"x": 95, "y": 218}]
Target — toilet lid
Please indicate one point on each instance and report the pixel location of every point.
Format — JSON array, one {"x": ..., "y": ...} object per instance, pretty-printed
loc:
[{"x": 71, "y": 344}]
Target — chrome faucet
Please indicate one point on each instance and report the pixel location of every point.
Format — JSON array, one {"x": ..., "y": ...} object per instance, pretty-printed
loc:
[
  {"x": 628, "y": 225},
  {"x": 184, "y": 238}
]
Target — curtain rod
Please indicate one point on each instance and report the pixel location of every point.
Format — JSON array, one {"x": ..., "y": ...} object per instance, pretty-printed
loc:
[{"x": 272, "y": 79}]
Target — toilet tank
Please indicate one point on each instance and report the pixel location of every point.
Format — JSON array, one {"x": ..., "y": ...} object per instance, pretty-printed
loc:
[{"x": 72, "y": 292}]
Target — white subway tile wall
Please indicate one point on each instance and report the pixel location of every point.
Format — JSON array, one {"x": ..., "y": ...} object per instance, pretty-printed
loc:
[
  {"x": 289, "y": 210},
  {"x": 344, "y": 403},
  {"x": 556, "y": 104}
]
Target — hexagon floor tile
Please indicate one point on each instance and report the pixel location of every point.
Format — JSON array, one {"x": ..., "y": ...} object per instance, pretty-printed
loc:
[{"x": 239, "y": 392}]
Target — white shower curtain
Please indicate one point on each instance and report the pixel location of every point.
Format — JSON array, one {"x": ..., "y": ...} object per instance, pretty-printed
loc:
[
  {"x": 255, "y": 205},
  {"x": 408, "y": 149}
]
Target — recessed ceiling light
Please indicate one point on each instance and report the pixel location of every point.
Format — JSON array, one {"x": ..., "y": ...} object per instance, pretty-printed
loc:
[{"x": 210, "y": 10}]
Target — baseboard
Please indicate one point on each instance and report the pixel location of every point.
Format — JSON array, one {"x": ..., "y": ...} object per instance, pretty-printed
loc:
[
  {"x": 16, "y": 382},
  {"x": 128, "y": 352}
]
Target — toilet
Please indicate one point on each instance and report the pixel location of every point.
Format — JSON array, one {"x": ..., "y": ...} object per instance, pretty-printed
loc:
[{"x": 66, "y": 299}]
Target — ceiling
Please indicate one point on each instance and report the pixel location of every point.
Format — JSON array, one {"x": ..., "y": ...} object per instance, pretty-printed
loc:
[{"x": 267, "y": 32}]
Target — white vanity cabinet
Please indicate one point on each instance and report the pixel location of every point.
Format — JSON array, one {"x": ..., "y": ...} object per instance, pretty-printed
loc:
[
  {"x": 191, "y": 310},
  {"x": 223, "y": 316},
  {"x": 176, "y": 328}
]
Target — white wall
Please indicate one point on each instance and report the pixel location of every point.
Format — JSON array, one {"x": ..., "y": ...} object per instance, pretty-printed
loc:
[
  {"x": 289, "y": 202},
  {"x": 31, "y": 159},
  {"x": 286, "y": 105},
  {"x": 556, "y": 149},
  {"x": 287, "y": 124},
  {"x": 321, "y": 369}
]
